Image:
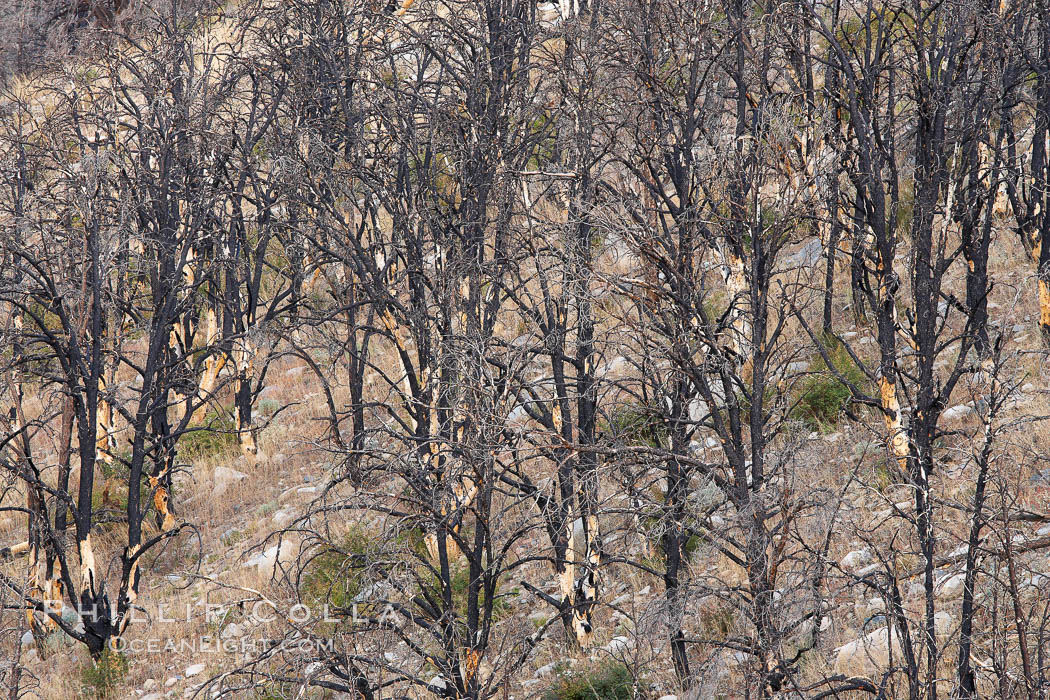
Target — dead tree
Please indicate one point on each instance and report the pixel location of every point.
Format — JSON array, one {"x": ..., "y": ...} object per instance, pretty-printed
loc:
[{"x": 125, "y": 184}]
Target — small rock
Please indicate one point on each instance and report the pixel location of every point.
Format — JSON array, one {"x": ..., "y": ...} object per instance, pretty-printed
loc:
[
  {"x": 858, "y": 557},
  {"x": 268, "y": 564},
  {"x": 231, "y": 631},
  {"x": 227, "y": 474},
  {"x": 618, "y": 645},
  {"x": 807, "y": 255},
  {"x": 149, "y": 685},
  {"x": 282, "y": 518},
  {"x": 223, "y": 477},
  {"x": 171, "y": 681},
  {"x": 194, "y": 670},
  {"x": 544, "y": 671},
  {"x": 952, "y": 587},
  {"x": 957, "y": 413},
  {"x": 519, "y": 415},
  {"x": 617, "y": 365}
]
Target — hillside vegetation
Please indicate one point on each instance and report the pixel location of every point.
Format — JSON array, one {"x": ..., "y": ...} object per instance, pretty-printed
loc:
[{"x": 461, "y": 349}]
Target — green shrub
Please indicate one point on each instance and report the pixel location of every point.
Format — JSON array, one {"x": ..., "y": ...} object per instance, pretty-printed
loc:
[
  {"x": 635, "y": 424},
  {"x": 274, "y": 691},
  {"x": 460, "y": 584},
  {"x": 413, "y": 540},
  {"x": 609, "y": 681},
  {"x": 218, "y": 434},
  {"x": 823, "y": 396},
  {"x": 335, "y": 575},
  {"x": 267, "y": 407},
  {"x": 102, "y": 676}
]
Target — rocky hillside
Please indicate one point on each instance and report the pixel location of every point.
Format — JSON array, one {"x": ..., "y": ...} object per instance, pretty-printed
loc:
[{"x": 575, "y": 351}]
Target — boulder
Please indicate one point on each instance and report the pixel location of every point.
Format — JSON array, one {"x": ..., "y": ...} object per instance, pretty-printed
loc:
[
  {"x": 275, "y": 558},
  {"x": 867, "y": 655},
  {"x": 223, "y": 477},
  {"x": 958, "y": 413},
  {"x": 282, "y": 517},
  {"x": 618, "y": 645},
  {"x": 952, "y": 587},
  {"x": 544, "y": 671},
  {"x": 856, "y": 558},
  {"x": 870, "y": 655},
  {"x": 807, "y": 255}
]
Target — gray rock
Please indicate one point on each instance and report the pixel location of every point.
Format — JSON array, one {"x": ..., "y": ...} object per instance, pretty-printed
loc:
[
  {"x": 952, "y": 587},
  {"x": 807, "y": 255},
  {"x": 224, "y": 477},
  {"x": 268, "y": 564},
  {"x": 858, "y": 557},
  {"x": 268, "y": 392},
  {"x": 544, "y": 671},
  {"x": 282, "y": 518},
  {"x": 958, "y": 413}
]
